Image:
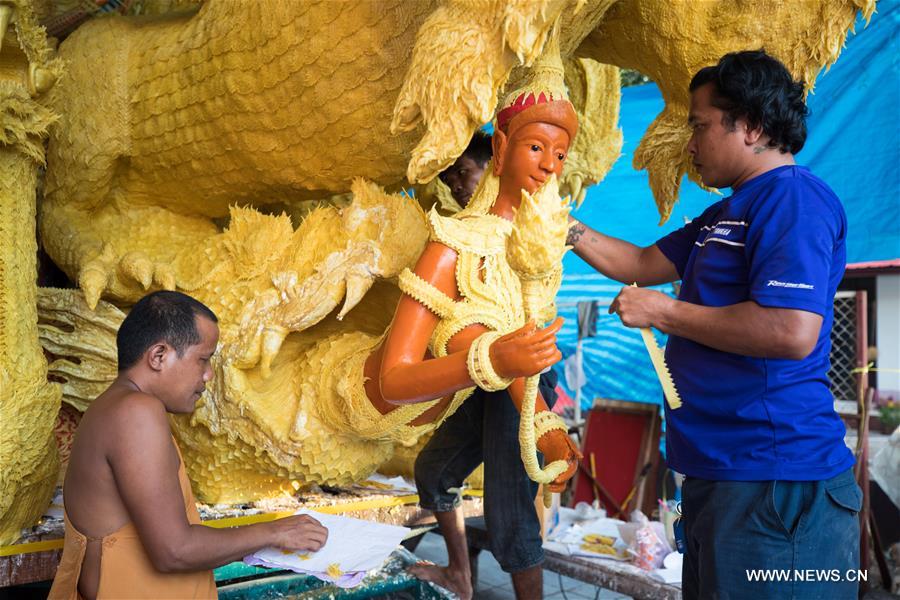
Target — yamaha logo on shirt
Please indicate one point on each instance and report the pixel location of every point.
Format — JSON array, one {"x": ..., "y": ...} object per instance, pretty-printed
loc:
[{"x": 718, "y": 233}]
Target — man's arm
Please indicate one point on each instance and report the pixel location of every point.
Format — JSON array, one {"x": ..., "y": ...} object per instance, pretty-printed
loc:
[
  {"x": 144, "y": 462},
  {"x": 745, "y": 328},
  {"x": 618, "y": 259}
]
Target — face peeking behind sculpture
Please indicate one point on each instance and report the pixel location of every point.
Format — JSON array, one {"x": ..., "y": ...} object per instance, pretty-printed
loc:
[{"x": 463, "y": 175}]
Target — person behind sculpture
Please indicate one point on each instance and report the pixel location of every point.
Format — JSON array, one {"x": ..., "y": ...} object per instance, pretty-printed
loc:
[
  {"x": 132, "y": 527},
  {"x": 463, "y": 175},
  {"x": 769, "y": 480},
  {"x": 461, "y": 299}
]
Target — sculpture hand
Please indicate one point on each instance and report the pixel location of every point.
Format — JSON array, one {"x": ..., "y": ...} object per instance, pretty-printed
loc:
[
  {"x": 123, "y": 276},
  {"x": 557, "y": 445},
  {"x": 526, "y": 351},
  {"x": 295, "y": 303}
]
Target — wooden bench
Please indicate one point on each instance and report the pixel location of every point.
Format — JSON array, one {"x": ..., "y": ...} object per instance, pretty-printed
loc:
[{"x": 620, "y": 577}]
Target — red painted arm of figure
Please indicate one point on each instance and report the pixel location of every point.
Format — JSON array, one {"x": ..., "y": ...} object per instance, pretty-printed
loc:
[{"x": 407, "y": 376}]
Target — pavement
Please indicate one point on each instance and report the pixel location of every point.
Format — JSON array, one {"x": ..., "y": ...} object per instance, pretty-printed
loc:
[{"x": 495, "y": 584}]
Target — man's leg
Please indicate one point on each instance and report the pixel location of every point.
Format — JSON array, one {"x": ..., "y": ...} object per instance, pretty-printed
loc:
[
  {"x": 826, "y": 542},
  {"x": 457, "y": 575},
  {"x": 441, "y": 467},
  {"x": 529, "y": 583},
  {"x": 512, "y": 522},
  {"x": 771, "y": 539}
]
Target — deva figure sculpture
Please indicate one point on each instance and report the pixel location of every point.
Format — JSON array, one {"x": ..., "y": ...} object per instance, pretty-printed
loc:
[
  {"x": 466, "y": 318},
  {"x": 462, "y": 318}
]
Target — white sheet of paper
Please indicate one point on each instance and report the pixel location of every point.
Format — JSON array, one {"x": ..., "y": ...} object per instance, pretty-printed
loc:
[
  {"x": 353, "y": 545},
  {"x": 670, "y": 576},
  {"x": 570, "y": 536},
  {"x": 397, "y": 483}
]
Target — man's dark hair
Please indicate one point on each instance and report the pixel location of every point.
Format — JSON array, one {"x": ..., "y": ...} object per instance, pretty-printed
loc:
[
  {"x": 160, "y": 316},
  {"x": 755, "y": 87},
  {"x": 479, "y": 148}
]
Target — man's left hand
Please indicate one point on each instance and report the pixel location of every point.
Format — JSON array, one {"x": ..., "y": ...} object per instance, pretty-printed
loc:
[{"x": 640, "y": 307}]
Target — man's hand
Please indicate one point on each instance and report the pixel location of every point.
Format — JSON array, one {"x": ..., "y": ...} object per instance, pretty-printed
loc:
[
  {"x": 298, "y": 532},
  {"x": 557, "y": 445},
  {"x": 640, "y": 307},
  {"x": 526, "y": 351}
]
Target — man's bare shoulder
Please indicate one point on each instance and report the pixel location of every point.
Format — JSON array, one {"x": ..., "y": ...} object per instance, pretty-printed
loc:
[
  {"x": 122, "y": 432},
  {"x": 129, "y": 414}
]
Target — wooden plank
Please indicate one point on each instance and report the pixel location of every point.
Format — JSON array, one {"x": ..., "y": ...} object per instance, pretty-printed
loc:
[
  {"x": 623, "y": 578},
  {"x": 28, "y": 568}
]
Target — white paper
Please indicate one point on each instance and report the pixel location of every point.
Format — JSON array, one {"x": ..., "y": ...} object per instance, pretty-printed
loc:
[
  {"x": 56, "y": 508},
  {"x": 353, "y": 545},
  {"x": 670, "y": 576},
  {"x": 570, "y": 535},
  {"x": 393, "y": 484},
  {"x": 673, "y": 560}
]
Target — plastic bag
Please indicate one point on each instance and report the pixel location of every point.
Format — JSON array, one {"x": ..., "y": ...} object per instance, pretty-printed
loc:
[{"x": 646, "y": 541}]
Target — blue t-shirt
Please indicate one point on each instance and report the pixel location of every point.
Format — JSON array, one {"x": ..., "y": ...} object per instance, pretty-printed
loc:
[{"x": 779, "y": 241}]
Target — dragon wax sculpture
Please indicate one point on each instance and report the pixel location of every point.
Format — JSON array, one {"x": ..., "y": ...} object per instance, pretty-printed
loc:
[
  {"x": 337, "y": 398},
  {"x": 28, "y": 402},
  {"x": 175, "y": 140},
  {"x": 462, "y": 317}
]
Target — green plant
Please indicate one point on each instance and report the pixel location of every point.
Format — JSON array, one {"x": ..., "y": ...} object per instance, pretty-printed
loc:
[{"x": 890, "y": 415}]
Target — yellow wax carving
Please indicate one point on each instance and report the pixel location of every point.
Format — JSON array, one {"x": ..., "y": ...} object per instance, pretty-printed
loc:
[{"x": 179, "y": 139}]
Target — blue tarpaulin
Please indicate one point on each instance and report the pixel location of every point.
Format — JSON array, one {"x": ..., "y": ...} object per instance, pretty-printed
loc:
[{"x": 853, "y": 144}]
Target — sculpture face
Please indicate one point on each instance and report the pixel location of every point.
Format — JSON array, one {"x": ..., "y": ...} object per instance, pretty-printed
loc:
[{"x": 530, "y": 156}]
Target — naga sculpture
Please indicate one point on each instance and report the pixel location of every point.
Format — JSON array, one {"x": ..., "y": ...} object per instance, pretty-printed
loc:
[
  {"x": 178, "y": 134},
  {"x": 28, "y": 402}
]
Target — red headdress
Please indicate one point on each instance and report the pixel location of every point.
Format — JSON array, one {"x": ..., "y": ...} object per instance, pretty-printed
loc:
[{"x": 542, "y": 98}]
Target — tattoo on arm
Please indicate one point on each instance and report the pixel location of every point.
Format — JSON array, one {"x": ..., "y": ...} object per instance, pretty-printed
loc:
[{"x": 575, "y": 232}]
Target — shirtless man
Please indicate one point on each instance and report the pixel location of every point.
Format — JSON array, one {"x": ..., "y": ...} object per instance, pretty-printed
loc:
[{"x": 132, "y": 529}]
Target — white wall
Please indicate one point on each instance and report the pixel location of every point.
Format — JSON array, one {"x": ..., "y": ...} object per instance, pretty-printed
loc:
[{"x": 887, "y": 289}]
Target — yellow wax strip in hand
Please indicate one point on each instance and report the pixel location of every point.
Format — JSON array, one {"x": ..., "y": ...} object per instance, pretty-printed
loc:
[{"x": 658, "y": 358}]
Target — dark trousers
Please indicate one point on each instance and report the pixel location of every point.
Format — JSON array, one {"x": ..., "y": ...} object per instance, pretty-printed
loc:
[
  {"x": 776, "y": 540},
  {"x": 486, "y": 429}
]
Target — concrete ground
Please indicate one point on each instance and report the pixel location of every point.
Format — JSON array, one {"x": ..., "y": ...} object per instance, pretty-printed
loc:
[{"x": 495, "y": 584}]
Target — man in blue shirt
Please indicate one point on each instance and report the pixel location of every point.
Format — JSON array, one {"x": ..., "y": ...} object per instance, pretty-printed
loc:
[{"x": 770, "y": 504}]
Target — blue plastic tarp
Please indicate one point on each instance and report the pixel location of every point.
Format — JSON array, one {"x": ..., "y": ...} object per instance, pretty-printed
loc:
[{"x": 853, "y": 144}]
